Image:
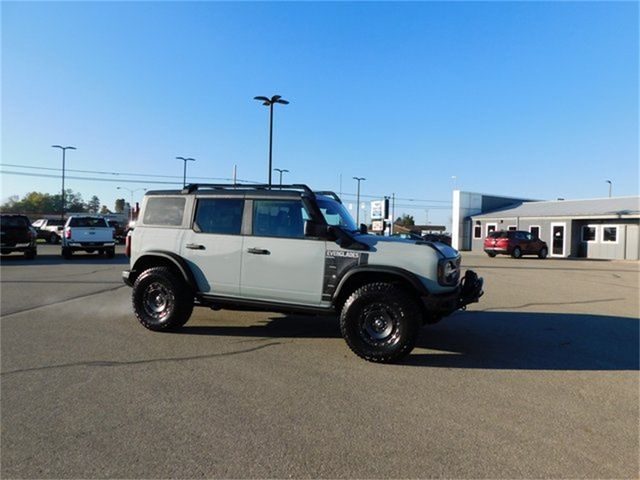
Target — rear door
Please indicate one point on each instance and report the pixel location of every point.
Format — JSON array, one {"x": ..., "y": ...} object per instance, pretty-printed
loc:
[
  {"x": 278, "y": 262},
  {"x": 213, "y": 245}
]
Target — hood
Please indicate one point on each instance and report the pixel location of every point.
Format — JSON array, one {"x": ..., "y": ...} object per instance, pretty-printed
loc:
[{"x": 442, "y": 248}]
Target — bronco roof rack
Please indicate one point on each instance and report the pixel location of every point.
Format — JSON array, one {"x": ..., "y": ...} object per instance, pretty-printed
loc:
[{"x": 192, "y": 187}]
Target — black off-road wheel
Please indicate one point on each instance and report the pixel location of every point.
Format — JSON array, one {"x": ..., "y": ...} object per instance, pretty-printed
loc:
[
  {"x": 162, "y": 300},
  {"x": 380, "y": 322}
]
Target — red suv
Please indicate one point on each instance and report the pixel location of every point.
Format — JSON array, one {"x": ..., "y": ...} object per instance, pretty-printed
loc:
[{"x": 515, "y": 243}]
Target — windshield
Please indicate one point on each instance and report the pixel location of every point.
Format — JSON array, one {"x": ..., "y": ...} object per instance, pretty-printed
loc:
[{"x": 336, "y": 215}]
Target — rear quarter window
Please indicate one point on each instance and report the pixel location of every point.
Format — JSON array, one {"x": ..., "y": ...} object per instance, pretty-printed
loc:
[{"x": 168, "y": 211}]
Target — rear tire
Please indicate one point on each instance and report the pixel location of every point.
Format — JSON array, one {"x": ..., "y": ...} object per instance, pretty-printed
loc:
[
  {"x": 110, "y": 252},
  {"x": 491, "y": 254},
  {"x": 380, "y": 322},
  {"x": 516, "y": 253},
  {"x": 67, "y": 253},
  {"x": 161, "y": 299},
  {"x": 543, "y": 253},
  {"x": 30, "y": 254}
]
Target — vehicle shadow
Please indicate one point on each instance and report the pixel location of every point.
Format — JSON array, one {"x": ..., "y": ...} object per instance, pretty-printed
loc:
[
  {"x": 486, "y": 340},
  {"x": 51, "y": 259}
]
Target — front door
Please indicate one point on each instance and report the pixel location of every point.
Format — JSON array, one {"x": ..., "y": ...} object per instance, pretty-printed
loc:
[
  {"x": 558, "y": 239},
  {"x": 213, "y": 245},
  {"x": 278, "y": 262}
]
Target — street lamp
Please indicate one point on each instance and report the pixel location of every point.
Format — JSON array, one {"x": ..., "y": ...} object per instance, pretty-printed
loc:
[
  {"x": 269, "y": 102},
  {"x": 64, "y": 150},
  {"x": 281, "y": 171},
  {"x": 131, "y": 191},
  {"x": 358, "y": 179},
  {"x": 184, "y": 174},
  {"x": 609, "y": 182}
]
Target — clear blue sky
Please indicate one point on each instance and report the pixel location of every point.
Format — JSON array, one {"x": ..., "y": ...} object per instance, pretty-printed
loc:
[{"x": 523, "y": 99}]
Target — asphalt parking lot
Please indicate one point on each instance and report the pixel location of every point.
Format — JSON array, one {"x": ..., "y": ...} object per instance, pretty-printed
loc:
[{"x": 539, "y": 379}]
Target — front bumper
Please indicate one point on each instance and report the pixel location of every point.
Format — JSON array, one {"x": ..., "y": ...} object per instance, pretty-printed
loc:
[
  {"x": 126, "y": 277},
  {"x": 469, "y": 290}
]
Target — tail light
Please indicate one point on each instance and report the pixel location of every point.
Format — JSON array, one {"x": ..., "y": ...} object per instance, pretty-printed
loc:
[
  {"x": 127, "y": 245},
  {"x": 67, "y": 233},
  {"x": 502, "y": 241}
]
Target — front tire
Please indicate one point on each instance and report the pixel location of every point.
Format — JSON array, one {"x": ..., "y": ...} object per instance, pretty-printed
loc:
[
  {"x": 161, "y": 299},
  {"x": 380, "y": 322},
  {"x": 543, "y": 253}
]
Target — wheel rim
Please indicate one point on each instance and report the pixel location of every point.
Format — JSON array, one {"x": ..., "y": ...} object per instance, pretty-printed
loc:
[
  {"x": 516, "y": 253},
  {"x": 379, "y": 325},
  {"x": 158, "y": 301}
]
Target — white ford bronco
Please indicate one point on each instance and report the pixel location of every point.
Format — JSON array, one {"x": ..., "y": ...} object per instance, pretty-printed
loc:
[{"x": 288, "y": 249}]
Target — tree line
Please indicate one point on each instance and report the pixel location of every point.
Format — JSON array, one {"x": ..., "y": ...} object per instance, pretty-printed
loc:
[{"x": 47, "y": 203}]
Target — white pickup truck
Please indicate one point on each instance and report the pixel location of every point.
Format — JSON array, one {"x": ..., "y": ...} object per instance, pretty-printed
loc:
[{"x": 88, "y": 233}]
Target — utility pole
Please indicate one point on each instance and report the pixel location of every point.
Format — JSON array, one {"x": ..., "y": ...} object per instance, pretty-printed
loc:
[
  {"x": 393, "y": 211},
  {"x": 609, "y": 182},
  {"x": 62, "y": 199},
  {"x": 358, "y": 179}
]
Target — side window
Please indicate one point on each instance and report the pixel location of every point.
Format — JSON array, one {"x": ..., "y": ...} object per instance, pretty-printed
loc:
[
  {"x": 278, "y": 218},
  {"x": 527, "y": 236},
  {"x": 164, "y": 211},
  {"x": 219, "y": 215}
]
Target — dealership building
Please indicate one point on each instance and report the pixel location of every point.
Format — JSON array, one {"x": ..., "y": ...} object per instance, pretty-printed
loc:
[{"x": 602, "y": 228}]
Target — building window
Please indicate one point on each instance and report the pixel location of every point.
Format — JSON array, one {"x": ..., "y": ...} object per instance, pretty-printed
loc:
[
  {"x": 477, "y": 231},
  {"x": 588, "y": 233},
  {"x": 491, "y": 227},
  {"x": 610, "y": 234},
  {"x": 512, "y": 228},
  {"x": 535, "y": 231}
]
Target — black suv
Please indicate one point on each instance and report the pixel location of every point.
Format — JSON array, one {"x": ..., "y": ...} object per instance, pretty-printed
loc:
[{"x": 17, "y": 235}]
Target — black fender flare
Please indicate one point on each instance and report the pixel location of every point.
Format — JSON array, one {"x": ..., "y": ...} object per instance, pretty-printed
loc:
[
  {"x": 179, "y": 262},
  {"x": 406, "y": 275}
]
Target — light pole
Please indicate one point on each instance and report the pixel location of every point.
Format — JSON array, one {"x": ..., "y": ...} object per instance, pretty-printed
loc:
[
  {"x": 609, "y": 182},
  {"x": 64, "y": 150},
  {"x": 269, "y": 102},
  {"x": 131, "y": 191},
  {"x": 358, "y": 179},
  {"x": 281, "y": 171},
  {"x": 184, "y": 173}
]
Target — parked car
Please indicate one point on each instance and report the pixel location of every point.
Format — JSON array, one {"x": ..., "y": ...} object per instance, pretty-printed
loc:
[
  {"x": 119, "y": 230},
  {"x": 17, "y": 235},
  {"x": 88, "y": 233},
  {"x": 49, "y": 229},
  {"x": 515, "y": 243},
  {"x": 288, "y": 250}
]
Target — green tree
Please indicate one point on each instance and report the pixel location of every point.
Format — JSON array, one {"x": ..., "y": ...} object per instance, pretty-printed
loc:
[
  {"x": 93, "y": 205},
  {"x": 405, "y": 220},
  {"x": 104, "y": 210},
  {"x": 120, "y": 205}
]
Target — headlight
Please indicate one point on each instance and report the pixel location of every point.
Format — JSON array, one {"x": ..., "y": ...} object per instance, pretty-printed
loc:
[{"x": 449, "y": 271}]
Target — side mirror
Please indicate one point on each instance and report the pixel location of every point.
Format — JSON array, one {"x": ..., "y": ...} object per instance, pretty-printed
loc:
[
  {"x": 363, "y": 229},
  {"x": 313, "y": 229}
]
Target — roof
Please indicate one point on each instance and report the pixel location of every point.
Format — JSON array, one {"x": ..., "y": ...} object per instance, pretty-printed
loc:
[{"x": 596, "y": 207}]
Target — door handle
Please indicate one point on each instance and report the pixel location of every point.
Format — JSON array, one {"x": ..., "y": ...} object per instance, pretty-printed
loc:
[
  {"x": 258, "y": 251},
  {"x": 194, "y": 246}
]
